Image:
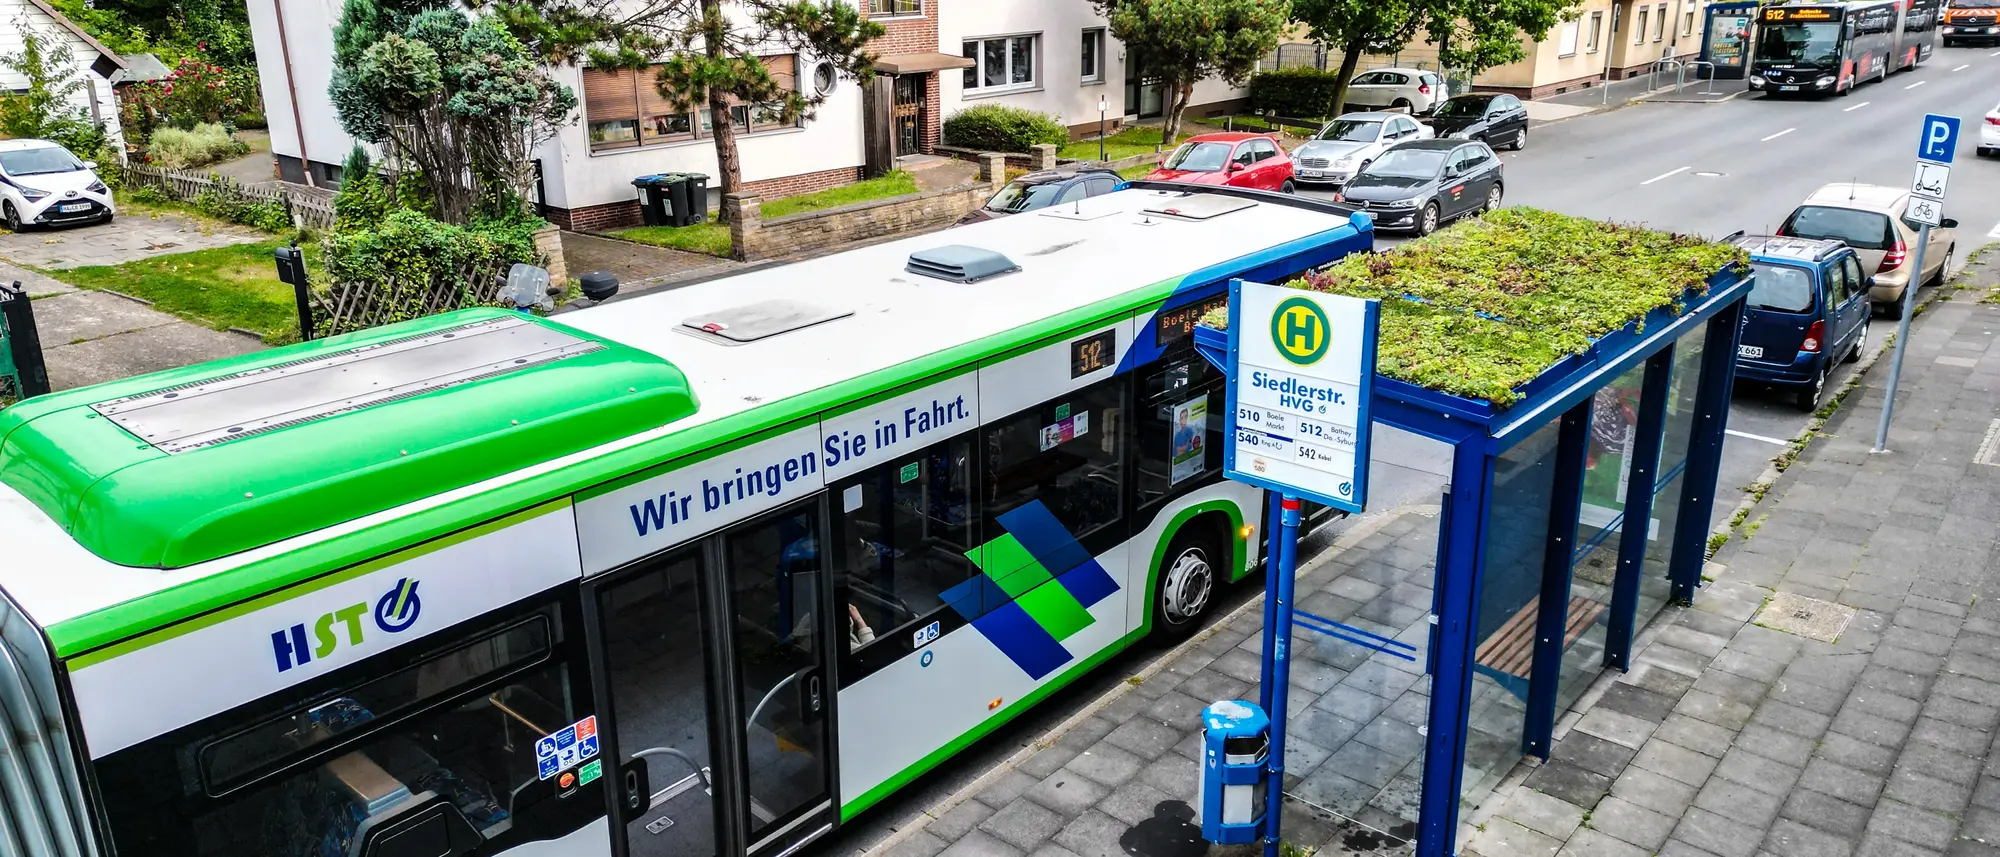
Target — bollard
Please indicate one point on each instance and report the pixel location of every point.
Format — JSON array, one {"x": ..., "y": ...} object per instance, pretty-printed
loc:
[
  {"x": 292, "y": 271},
  {"x": 22, "y": 357}
]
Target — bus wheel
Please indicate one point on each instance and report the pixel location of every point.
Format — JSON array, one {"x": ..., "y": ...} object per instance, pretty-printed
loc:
[{"x": 1187, "y": 581}]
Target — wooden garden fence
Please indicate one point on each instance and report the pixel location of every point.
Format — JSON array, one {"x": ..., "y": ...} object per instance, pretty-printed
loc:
[{"x": 309, "y": 209}]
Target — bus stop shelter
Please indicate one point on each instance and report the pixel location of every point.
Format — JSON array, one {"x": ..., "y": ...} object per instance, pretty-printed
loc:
[{"x": 1572, "y": 517}]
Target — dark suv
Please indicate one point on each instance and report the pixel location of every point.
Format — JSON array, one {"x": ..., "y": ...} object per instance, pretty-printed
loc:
[{"x": 1045, "y": 188}]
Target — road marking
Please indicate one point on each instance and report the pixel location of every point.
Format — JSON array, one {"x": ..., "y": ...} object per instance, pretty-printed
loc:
[
  {"x": 1994, "y": 54},
  {"x": 1917, "y": 84},
  {"x": 1777, "y": 135},
  {"x": 1857, "y": 107},
  {"x": 1995, "y": 233},
  {"x": 1963, "y": 67},
  {"x": 1664, "y": 175},
  {"x": 1748, "y": 436}
]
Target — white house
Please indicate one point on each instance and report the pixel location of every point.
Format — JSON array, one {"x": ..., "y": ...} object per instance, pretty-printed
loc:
[
  {"x": 1056, "y": 57},
  {"x": 94, "y": 62}
]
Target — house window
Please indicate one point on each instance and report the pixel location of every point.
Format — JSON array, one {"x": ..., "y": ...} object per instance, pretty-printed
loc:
[
  {"x": 1639, "y": 35},
  {"x": 1005, "y": 62},
  {"x": 1660, "y": 23},
  {"x": 1596, "y": 26},
  {"x": 623, "y": 110},
  {"x": 1687, "y": 25},
  {"x": 1093, "y": 56},
  {"x": 1566, "y": 40},
  {"x": 883, "y": 8}
]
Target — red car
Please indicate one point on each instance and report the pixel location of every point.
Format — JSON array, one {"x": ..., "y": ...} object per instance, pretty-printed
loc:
[{"x": 1236, "y": 159}]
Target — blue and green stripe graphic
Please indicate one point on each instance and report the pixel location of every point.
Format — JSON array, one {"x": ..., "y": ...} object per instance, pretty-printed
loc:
[{"x": 1011, "y": 601}]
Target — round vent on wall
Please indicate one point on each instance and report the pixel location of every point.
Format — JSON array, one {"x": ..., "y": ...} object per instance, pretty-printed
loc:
[{"x": 823, "y": 77}]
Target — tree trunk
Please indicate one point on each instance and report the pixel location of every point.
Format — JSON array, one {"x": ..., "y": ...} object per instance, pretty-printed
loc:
[
  {"x": 715, "y": 30},
  {"x": 1178, "y": 95},
  {"x": 1350, "y": 59}
]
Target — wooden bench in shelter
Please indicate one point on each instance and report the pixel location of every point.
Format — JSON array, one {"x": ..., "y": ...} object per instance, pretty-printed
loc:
[{"x": 1509, "y": 654}]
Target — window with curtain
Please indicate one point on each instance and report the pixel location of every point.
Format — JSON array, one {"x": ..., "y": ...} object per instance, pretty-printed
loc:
[
  {"x": 881, "y": 8},
  {"x": 623, "y": 109}
]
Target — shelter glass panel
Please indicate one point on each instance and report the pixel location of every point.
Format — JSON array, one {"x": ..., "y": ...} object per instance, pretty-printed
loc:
[
  {"x": 1614, "y": 434},
  {"x": 1654, "y": 589}
]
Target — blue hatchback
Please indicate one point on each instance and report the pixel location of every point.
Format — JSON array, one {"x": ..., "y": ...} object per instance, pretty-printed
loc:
[{"x": 1808, "y": 305}]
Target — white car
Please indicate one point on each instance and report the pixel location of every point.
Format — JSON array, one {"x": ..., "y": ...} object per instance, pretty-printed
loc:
[
  {"x": 1411, "y": 89},
  {"x": 1349, "y": 143},
  {"x": 1989, "y": 133},
  {"x": 42, "y": 184}
]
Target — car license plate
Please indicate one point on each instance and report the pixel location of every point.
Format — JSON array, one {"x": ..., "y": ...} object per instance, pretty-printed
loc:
[
  {"x": 73, "y": 206},
  {"x": 1788, "y": 89},
  {"x": 1750, "y": 351},
  {"x": 1311, "y": 174}
]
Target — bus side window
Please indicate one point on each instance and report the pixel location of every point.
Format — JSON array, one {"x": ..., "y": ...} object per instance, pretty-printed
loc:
[
  {"x": 1179, "y": 424},
  {"x": 1065, "y": 454},
  {"x": 901, "y": 531}
]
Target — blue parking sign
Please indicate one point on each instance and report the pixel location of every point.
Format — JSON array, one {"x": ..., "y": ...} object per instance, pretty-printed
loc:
[{"x": 1939, "y": 141}]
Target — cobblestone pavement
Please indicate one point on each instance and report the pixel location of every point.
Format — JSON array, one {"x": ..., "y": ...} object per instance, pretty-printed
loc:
[
  {"x": 1733, "y": 738},
  {"x": 130, "y": 237}
]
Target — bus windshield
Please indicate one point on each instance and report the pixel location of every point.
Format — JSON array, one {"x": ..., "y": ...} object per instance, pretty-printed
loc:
[{"x": 1816, "y": 43}]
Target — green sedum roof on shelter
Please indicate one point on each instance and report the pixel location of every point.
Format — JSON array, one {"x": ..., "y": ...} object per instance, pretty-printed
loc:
[{"x": 178, "y": 468}]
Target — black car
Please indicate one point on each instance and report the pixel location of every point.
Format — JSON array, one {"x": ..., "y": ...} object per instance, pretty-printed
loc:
[
  {"x": 1494, "y": 119},
  {"x": 1045, "y": 188},
  {"x": 1423, "y": 184}
]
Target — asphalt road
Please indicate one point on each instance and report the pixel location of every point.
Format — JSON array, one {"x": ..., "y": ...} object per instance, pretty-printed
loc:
[{"x": 1705, "y": 168}]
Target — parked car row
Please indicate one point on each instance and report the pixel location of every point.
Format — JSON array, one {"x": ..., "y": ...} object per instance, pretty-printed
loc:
[{"x": 1844, "y": 251}]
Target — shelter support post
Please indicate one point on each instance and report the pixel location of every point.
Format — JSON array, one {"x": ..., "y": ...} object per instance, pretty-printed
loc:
[
  {"x": 1637, "y": 528},
  {"x": 1457, "y": 632},
  {"x": 1704, "y": 461},
  {"x": 1559, "y": 551}
]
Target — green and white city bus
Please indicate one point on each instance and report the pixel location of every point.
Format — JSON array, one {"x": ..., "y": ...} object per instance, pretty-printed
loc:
[{"x": 701, "y": 572}]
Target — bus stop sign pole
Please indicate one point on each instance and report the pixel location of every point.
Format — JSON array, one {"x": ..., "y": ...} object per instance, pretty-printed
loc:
[
  {"x": 1278, "y": 591},
  {"x": 1936, "y": 145}
]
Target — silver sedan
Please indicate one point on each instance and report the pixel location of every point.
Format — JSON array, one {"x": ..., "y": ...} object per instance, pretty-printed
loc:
[{"x": 1348, "y": 143}]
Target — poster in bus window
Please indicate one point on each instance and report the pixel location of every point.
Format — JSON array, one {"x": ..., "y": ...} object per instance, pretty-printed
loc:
[
  {"x": 1190, "y": 430},
  {"x": 1727, "y": 37}
]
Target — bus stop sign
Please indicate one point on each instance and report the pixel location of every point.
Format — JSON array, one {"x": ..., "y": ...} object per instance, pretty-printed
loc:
[{"x": 1304, "y": 367}]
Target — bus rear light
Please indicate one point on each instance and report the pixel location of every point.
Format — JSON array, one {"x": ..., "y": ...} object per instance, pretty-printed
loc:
[
  {"x": 1814, "y": 335},
  {"x": 1894, "y": 258}
]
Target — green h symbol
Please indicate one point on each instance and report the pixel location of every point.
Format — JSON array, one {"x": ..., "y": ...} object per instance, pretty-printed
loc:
[{"x": 1301, "y": 330}]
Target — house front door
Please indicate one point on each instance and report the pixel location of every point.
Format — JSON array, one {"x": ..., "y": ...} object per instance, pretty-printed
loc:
[{"x": 906, "y": 116}]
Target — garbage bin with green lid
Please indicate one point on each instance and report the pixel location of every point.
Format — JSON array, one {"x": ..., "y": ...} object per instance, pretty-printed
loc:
[
  {"x": 690, "y": 199},
  {"x": 654, "y": 201}
]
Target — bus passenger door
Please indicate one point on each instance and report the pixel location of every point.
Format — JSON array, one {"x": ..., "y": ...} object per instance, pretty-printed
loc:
[{"x": 728, "y": 630}]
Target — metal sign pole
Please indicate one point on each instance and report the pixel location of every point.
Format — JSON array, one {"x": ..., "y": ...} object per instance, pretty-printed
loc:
[
  {"x": 1937, "y": 146},
  {"x": 1902, "y": 338},
  {"x": 1280, "y": 659}
]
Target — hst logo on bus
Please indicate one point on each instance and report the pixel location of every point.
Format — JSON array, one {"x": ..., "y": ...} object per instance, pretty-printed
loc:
[{"x": 394, "y": 613}]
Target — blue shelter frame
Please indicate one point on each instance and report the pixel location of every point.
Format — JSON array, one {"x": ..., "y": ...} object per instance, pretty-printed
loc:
[
  {"x": 1669, "y": 450},
  {"x": 1562, "y": 398}
]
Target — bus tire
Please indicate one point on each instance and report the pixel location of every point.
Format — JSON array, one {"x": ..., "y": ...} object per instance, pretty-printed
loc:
[{"x": 1185, "y": 584}]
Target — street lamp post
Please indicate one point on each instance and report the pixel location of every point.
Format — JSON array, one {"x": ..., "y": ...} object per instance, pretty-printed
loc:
[{"x": 1103, "y": 106}]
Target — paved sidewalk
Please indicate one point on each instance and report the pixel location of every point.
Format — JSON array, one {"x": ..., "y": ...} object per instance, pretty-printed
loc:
[
  {"x": 131, "y": 236},
  {"x": 1733, "y": 738}
]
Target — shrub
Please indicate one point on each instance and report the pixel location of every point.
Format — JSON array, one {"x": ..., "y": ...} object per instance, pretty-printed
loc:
[
  {"x": 1300, "y": 93},
  {"x": 999, "y": 128},
  {"x": 200, "y": 146},
  {"x": 413, "y": 247}
]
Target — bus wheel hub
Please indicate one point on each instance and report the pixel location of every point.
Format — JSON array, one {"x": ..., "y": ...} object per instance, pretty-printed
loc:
[{"x": 1188, "y": 583}]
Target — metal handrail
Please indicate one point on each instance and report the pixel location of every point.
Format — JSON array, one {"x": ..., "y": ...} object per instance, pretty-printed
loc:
[
  {"x": 1708, "y": 84},
  {"x": 1663, "y": 61}
]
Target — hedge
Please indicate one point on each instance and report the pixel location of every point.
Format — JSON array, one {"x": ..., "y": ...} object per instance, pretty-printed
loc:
[
  {"x": 1294, "y": 92},
  {"x": 999, "y": 128}
]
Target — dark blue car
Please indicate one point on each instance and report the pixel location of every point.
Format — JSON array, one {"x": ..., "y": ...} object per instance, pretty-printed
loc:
[{"x": 1808, "y": 307}]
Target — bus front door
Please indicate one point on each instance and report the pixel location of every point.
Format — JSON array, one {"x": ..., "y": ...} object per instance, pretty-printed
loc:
[{"x": 728, "y": 630}]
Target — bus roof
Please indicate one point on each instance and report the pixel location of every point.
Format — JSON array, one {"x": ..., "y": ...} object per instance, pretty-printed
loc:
[{"x": 72, "y": 538}]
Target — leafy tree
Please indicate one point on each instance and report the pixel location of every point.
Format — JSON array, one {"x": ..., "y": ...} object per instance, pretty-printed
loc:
[
  {"x": 712, "y": 54},
  {"x": 49, "y": 107},
  {"x": 170, "y": 28},
  {"x": 1185, "y": 41},
  {"x": 1358, "y": 27},
  {"x": 1475, "y": 35},
  {"x": 456, "y": 104}
]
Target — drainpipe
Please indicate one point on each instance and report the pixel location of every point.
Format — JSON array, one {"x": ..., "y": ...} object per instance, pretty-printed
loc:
[{"x": 292, "y": 90}]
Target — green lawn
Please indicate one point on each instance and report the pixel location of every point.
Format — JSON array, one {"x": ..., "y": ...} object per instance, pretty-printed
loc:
[
  {"x": 895, "y": 183},
  {"x": 1132, "y": 140},
  {"x": 708, "y": 237},
  {"x": 1139, "y": 171},
  {"x": 234, "y": 286}
]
